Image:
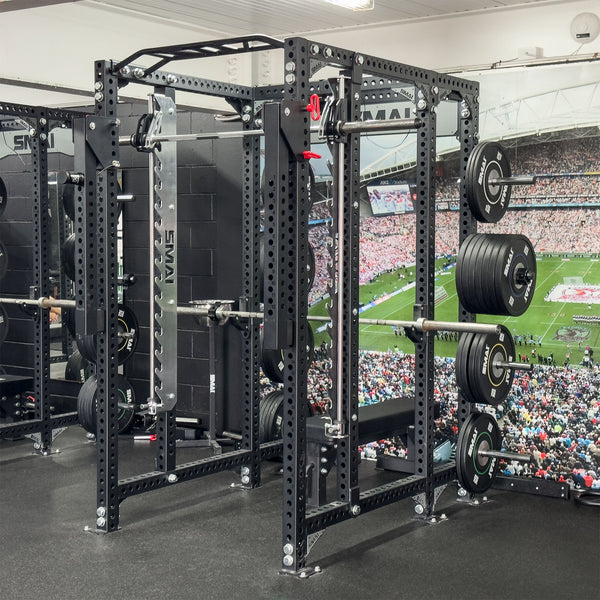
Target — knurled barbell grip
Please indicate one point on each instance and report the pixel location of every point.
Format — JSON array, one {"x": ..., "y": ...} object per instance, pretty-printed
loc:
[
  {"x": 504, "y": 455},
  {"x": 513, "y": 365},
  {"x": 514, "y": 180}
]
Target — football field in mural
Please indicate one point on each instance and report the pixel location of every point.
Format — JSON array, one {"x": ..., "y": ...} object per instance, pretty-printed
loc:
[{"x": 564, "y": 316}]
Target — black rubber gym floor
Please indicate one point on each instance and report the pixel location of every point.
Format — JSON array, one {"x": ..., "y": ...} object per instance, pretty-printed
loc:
[{"x": 204, "y": 540}]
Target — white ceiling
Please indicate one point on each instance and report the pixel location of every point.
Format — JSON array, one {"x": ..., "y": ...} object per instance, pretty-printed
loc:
[{"x": 282, "y": 18}]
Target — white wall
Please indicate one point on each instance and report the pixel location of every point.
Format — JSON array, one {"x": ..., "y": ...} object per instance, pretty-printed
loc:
[
  {"x": 472, "y": 39},
  {"x": 58, "y": 44}
]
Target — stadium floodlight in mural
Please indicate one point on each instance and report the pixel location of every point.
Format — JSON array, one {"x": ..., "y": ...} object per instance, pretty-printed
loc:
[{"x": 393, "y": 199}]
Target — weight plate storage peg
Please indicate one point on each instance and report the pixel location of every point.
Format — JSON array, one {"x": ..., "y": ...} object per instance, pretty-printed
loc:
[
  {"x": 487, "y": 199},
  {"x": 87, "y": 404},
  {"x": 495, "y": 274},
  {"x": 475, "y": 470}
]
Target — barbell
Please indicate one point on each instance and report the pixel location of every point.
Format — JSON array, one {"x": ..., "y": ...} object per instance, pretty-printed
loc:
[
  {"x": 220, "y": 311},
  {"x": 141, "y": 139},
  {"x": 489, "y": 182},
  {"x": 478, "y": 453}
]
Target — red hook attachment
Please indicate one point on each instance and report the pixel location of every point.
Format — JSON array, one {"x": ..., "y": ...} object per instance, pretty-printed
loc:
[
  {"x": 314, "y": 108},
  {"x": 308, "y": 155}
]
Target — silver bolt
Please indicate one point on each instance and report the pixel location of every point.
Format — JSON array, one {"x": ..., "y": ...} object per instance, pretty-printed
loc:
[
  {"x": 354, "y": 418},
  {"x": 484, "y": 499},
  {"x": 327, "y": 52},
  {"x": 354, "y": 311},
  {"x": 462, "y": 492},
  {"x": 314, "y": 49},
  {"x": 323, "y": 459},
  {"x": 171, "y": 396},
  {"x": 443, "y": 516},
  {"x": 171, "y": 207},
  {"x": 245, "y": 480},
  {"x": 421, "y": 104},
  {"x": 323, "y": 448},
  {"x": 288, "y": 561},
  {"x": 101, "y": 511},
  {"x": 246, "y": 108},
  {"x": 125, "y": 71},
  {"x": 92, "y": 126},
  {"x": 245, "y": 471},
  {"x": 172, "y": 478},
  {"x": 288, "y": 549},
  {"x": 435, "y": 89},
  {"x": 116, "y": 163},
  {"x": 32, "y": 132},
  {"x": 98, "y": 96},
  {"x": 37, "y": 446},
  {"x": 43, "y": 137},
  {"x": 290, "y": 67},
  {"x": 98, "y": 86},
  {"x": 419, "y": 509},
  {"x": 287, "y": 112},
  {"x": 355, "y": 205},
  {"x": 317, "y": 569},
  {"x": 43, "y": 121},
  {"x": 355, "y": 510},
  {"x": 246, "y": 118},
  {"x": 258, "y": 122},
  {"x": 171, "y": 79},
  {"x": 138, "y": 72},
  {"x": 303, "y": 575},
  {"x": 356, "y": 96},
  {"x": 433, "y": 520},
  {"x": 101, "y": 521},
  {"x": 465, "y": 113},
  {"x": 290, "y": 78},
  {"x": 360, "y": 59},
  {"x": 171, "y": 111},
  {"x": 323, "y": 471}
]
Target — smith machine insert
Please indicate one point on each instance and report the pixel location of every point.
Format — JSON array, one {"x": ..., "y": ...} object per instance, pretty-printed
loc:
[{"x": 286, "y": 116}]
